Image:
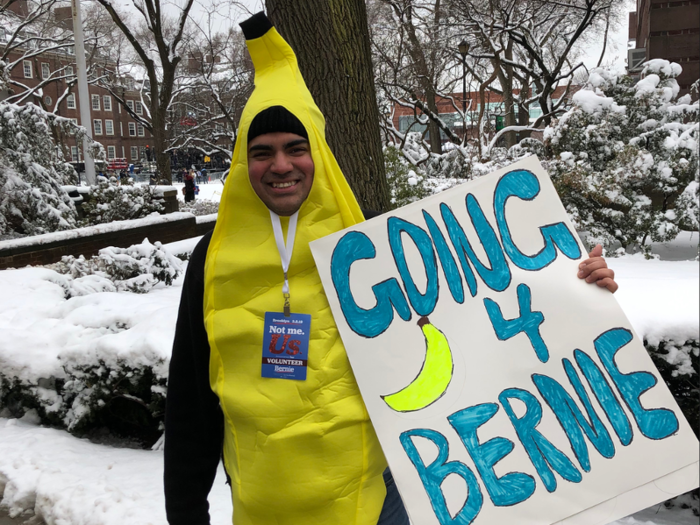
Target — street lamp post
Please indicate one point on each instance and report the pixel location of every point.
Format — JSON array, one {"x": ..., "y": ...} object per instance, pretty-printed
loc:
[{"x": 463, "y": 50}]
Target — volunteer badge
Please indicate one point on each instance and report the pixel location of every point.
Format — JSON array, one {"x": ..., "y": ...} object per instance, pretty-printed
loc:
[{"x": 285, "y": 345}]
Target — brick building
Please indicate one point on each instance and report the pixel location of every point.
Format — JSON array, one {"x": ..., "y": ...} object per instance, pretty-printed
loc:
[
  {"x": 668, "y": 30},
  {"x": 110, "y": 123},
  {"x": 404, "y": 117}
]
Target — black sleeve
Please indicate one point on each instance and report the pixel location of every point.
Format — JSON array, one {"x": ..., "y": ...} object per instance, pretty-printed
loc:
[
  {"x": 193, "y": 418},
  {"x": 370, "y": 214}
]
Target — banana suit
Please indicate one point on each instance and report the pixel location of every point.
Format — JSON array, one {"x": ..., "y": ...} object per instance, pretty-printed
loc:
[{"x": 297, "y": 452}]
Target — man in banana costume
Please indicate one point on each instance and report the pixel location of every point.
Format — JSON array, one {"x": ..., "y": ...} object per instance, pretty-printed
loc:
[{"x": 297, "y": 451}]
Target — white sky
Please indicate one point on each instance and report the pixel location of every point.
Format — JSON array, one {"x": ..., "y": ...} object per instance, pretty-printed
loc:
[{"x": 235, "y": 12}]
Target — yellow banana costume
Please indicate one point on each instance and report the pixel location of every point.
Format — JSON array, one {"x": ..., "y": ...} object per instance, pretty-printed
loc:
[{"x": 298, "y": 452}]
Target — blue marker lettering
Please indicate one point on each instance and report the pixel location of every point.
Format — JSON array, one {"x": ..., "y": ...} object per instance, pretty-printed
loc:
[
  {"x": 449, "y": 266},
  {"x": 528, "y": 322},
  {"x": 541, "y": 451},
  {"x": 605, "y": 396},
  {"x": 498, "y": 276},
  {"x": 655, "y": 423},
  {"x": 524, "y": 185},
  {"x": 434, "y": 474},
  {"x": 423, "y": 304},
  {"x": 572, "y": 420},
  {"x": 510, "y": 489},
  {"x": 352, "y": 247}
]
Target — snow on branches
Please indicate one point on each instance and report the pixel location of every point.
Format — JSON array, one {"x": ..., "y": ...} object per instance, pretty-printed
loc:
[
  {"x": 625, "y": 158},
  {"x": 31, "y": 174}
]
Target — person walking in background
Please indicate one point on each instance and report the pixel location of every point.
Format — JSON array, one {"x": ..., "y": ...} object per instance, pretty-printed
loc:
[{"x": 188, "y": 190}]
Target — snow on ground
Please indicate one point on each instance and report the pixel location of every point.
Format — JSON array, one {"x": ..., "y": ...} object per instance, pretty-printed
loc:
[
  {"x": 211, "y": 191},
  {"x": 71, "y": 481},
  {"x": 74, "y": 482}
]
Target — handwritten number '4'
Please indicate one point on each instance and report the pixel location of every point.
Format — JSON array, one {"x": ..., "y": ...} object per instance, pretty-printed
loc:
[{"x": 528, "y": 322}]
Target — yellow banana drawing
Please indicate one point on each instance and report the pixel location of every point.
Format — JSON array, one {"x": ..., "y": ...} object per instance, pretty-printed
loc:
[{"x": 434, "y": 376}]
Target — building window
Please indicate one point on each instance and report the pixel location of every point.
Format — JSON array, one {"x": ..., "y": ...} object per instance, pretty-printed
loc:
[
  {"x": 130, "y": 104},
  {"x": 139, "y": 108},
  {"x": 143, "y": 151},
  {"x": 130, "y": 84},
  {"x": 107, "y": 102},
  {"x": 134, "y": 153},
  {"x": 109, "y": 127},
  {"x": 97, "y": 126},
  {"x": 132, "y": 129},
  {"x": 70, "y": 50},
  {"x": 27, "y": 69},
  {"x": 70, "y": 101},
  {"x": 111, "y": 152},
  {"x": 74, "y": 153},
  {"x": 69, "y": 71},
  {"x": 74, "y": 121},
  {"x": 45, "y": 70},
  {"x": 121, "y": 128},
  {"x": 96, "y": 102},
  {"x": 141, "y": 131}
]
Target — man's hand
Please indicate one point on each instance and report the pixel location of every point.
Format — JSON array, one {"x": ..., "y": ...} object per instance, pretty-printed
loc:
[{"x": 595, "y": 270}]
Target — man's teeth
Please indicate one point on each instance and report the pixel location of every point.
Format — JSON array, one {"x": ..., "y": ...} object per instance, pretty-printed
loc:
[{"x": 283, "y": 184}]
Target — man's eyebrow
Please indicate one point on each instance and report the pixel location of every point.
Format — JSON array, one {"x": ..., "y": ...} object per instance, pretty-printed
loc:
[
  {"x": 295, "y": 142},
  {"x": 260, "y": 147}
]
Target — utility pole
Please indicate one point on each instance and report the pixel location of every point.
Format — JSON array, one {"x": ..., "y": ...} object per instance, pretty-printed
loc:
[{"x": 83, "y": 93}]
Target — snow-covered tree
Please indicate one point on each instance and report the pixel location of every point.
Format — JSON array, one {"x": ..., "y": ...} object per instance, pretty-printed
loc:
[
  {"x": 32, "y": 166},
  {"x": 625, "y": 158},
  {"x": 32, "y": 170},
  {"x": 156, "y": 36},
  {"x": 212, "y": 90}
]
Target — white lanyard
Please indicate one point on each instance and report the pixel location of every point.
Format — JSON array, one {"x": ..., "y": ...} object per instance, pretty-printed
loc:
[{"x": 285, "y": 251}]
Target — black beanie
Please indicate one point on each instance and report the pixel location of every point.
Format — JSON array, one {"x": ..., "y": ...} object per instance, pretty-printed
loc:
[{"x": 276, "y": 119}]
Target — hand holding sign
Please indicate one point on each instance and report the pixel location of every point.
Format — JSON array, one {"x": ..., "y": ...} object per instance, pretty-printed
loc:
[{"x": 535, "y": 402}]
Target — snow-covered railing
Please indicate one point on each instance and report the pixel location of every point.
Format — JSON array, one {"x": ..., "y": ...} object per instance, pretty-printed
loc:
[{"x": 50, "y": 247}]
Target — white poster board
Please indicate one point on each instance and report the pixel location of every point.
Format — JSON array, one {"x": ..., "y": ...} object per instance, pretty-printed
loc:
[{"x": 503, "y": 389}]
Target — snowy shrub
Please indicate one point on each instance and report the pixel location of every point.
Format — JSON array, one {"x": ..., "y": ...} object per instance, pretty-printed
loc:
[
  {"x": 200, "y": 207},
  {"x": 406, "y": 182},
  {"x": 127, "y": 401},
  {"x": 137, "y": 269},
  {"x": 454, "y": 164},
  {"x": 678, "y": 363},
  {"x": 31, "y": 174},
  {"x": 93, "y": 399},
  {"x": 625, "y": 158},
  {"x": 108, "y": 202}
]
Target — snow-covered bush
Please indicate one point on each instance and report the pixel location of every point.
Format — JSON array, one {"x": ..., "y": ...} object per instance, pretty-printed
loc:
[
  {"x": 200, "y": 207},
  {"x": 625, "y": 158},
  {"x": 31, "y": 174},
  {"x": 406, "y": 182},
  {"x": 108, "y": 201},
  {"x": 127, "y": 400},
  {"x": 679, "y": 365},
  {"x": 94, "y": 398},
  {"x": 137, "y": 269}
]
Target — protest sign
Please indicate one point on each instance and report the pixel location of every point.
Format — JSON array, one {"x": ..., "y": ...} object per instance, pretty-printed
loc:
[{"x": 503, "y": 389}]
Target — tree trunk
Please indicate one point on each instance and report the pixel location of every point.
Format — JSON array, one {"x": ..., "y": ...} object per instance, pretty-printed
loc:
[
  {"x": 433, "y": 127},
  {"x": 331, "y": 41},
  {"x": 160, "y": 155}
]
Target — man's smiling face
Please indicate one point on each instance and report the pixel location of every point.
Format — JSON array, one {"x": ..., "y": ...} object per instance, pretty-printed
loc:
[{"x": 281, "y": 170}]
